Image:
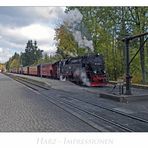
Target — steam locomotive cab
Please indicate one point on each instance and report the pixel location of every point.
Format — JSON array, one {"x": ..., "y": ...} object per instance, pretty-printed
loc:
[{"x": 87, "y": 70}]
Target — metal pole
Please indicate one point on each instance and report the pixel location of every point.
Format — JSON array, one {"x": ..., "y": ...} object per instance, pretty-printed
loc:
[{"x": 128, "y": 77}]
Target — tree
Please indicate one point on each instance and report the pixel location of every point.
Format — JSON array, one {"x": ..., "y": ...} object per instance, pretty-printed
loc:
[
  {"x": 107, "y": 26},
  {"x": 32, "y": 54},
  {"x": 13, "y": 62},
  {"x": 139, "y": 24},
  {"x": 66, "y": 45},
  {"x": 102, "y": 24}
]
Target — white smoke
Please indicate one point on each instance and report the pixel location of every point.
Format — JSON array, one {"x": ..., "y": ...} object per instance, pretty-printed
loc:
[
  {"x": 84, "y": 78},
  {"x": 73, "y": 18},
  {"x": 81, "y": 73}
]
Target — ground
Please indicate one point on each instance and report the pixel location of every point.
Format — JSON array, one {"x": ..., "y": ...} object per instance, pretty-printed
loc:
[
  {"x": 22, "y": 110},
  {"x": 66, "y": 107}
]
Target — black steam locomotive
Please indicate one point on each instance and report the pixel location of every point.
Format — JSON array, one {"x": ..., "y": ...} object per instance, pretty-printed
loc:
[{"x": 87, "y": 70}]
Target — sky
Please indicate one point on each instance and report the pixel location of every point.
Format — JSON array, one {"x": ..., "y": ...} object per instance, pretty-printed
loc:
[{"x": 20, "y": 24}]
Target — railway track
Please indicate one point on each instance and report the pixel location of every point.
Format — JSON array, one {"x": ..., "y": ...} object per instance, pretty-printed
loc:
[
  {"x": 87, "y": 111},
  {"x": 117, "y": 126},
  {"x": 109, "y": 109}
]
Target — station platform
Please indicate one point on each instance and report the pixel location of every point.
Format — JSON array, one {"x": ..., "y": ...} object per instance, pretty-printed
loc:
[{"x": 109, "y": 92}]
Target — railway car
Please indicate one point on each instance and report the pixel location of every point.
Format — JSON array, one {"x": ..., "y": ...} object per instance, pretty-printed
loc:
[
  {"x": 87, "y": 70},
  {"x": 15, "y": 70},
  {"x": 33, "y": 71},
  {"x": 20, "y": 70},
  {"x": 46, "y": 70},
  {"x": 25, "y": 70}
]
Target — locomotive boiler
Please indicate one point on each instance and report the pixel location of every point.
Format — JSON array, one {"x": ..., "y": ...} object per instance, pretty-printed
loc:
[{"x": 86, "y": 70}]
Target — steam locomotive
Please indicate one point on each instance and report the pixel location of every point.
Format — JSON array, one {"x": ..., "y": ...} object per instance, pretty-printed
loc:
[{"x": 85, "y": 70}]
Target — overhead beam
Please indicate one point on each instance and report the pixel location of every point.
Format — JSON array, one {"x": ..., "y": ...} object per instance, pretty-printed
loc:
[{"x": 135, "y": 36}]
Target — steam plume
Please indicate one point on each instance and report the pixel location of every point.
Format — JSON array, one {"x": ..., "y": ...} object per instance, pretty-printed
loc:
[{"x": 73, "y": 19}]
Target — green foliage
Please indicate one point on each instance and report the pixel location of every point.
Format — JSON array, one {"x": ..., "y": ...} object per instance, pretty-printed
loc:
[
  {"x": 13, "y": 62},
  {"x": 66, "y": 43},
  {"x": 2, "y": 67},
  {"x": 32, "y": 54},
  {"x": 106, "y": 26}
]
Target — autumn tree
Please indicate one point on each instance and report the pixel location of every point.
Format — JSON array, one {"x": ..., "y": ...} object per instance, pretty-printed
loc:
[
  {"x": 13, "y": 62},
  {"x": 66, "y": 45}
]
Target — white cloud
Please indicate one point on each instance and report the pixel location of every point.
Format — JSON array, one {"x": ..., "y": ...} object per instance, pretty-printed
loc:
[
  {"x": 33, "y": 31},
  {"x": 20, "y": 16},
  {"x": 16, "y": 38},
  {"x": 51, "y": 49},
  {"x": 5, "y": 54},
  {"x": 37, "y": 32},
  {"x": 20, "y": 24},
  {"x": 49, "y": 12}
]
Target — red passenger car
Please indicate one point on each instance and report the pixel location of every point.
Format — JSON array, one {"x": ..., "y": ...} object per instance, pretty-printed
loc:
[
  {"x": 33, "y": 70},
  {"x": 46, "y": 70},
  {"x": 20, "y": 70},
  {"x": 25, "y": 70}
]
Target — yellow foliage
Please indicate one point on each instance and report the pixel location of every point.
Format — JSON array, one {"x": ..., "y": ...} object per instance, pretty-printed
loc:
[
  {"x": 136, "y": 78},
  {"x": 2, "y": 66},
  {"x": 66, "y": 42},
  {"x": 14, "y": 64}
]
